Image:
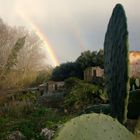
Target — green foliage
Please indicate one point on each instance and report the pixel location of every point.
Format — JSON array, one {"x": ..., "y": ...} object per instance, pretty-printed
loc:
[
  {"x": 82, "y": 95},
  {"x": 116, "y": 63},
  {"x": 66, "y": 70},
  {"x": 89, "y": 59},
  {"x": 31, "y": 125},
  {"x": 134, "y": 104},
  {"x": 75, "y": 69},
  {"x": 52, "y": 100},
  {"x": 5, "y": 126},
  {"x": 27, "y": 127},
  {"x": 94, "y": 127},
  {"x": 21, "y": 112},
  {"x": 18, "y": 104},
  {"x": 42, "y": 77},
  {"x": 101, "y": 108},
  {"x": 100, "y": 81},
  {"x": 17, "y": 109},
  {"x": 100, "y": 58},
  {"x": 71, "y": 82}
]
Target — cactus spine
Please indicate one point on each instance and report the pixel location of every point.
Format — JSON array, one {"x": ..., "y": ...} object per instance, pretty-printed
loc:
[{"x": 116, "y": 63}]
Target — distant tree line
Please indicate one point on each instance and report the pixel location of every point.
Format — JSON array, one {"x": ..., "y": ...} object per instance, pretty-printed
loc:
[{"x": 76, "y": 68}]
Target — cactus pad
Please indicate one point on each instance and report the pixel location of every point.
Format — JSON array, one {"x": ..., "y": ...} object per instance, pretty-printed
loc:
[
  {"x": 116, "y": 63},
  {"x": 94, "y": 127}
]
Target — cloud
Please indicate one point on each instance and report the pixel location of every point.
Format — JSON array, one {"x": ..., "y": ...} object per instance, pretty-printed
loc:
[{"x": 69, "y": 24}]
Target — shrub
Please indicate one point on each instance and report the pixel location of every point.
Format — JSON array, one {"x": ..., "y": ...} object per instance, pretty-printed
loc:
[
  {"x": 134, "y": 104},
  {"x": 71, "y": 82},
  {"x": 83, "y": 95}
]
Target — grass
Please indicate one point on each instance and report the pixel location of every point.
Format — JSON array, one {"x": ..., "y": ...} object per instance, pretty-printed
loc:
[
  {"x": 32, "y": 124},
  {"x": 24, "y": 115}
]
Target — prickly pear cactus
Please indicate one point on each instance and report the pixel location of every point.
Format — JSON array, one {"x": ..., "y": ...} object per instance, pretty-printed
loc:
[
  {"x": 94, "y": 127},
  {"x": 116, "y": 63}
]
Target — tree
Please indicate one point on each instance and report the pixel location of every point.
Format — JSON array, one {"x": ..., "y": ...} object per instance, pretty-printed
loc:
[
  {"x": 91, "y": 59},
  {"x": 76, "y": 69},
  {"x": 100, "y": 58},
  {"x": 12, "y": 58},
  {"x": 21, "y": 63},
  {"x": 6, "y": 41},
  {"x": 66, "y": 70},
  {"x": 87, "y": 59}
]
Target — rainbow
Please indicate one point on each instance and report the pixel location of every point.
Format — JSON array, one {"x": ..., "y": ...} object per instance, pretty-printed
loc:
[
  {"x": 75, "y": 28},
  {"x": 79, "y": 40},
  {"x": 52, "y": 55}
]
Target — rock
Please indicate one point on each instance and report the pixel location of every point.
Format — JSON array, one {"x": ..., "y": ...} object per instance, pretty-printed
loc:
[
  {"x": 16, "y": 135},
  {"x": 47, "y": 134}
]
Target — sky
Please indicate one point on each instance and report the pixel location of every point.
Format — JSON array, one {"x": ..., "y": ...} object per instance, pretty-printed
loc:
[{"x": 71, "y": 26}]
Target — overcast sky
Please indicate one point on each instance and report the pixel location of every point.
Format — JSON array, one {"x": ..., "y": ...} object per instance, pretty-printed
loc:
[{"x": 72, "y": 26}]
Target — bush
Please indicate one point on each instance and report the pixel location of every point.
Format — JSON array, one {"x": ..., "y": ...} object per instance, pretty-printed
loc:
[
  {"x": 17, "y": 109},
  {"x": 101, "y": 108},
  {"x": 99, "y": 81},
  {"x": 42, "y": 77},
  {"x": 82, "y": 95},
  {"x": 71, "y": 82},
  {"x": 134, "y": 104},
  {"x": 54, "y": 100},
  {"x": 31, "y": 125},
  {"x": 66, "y": 70}
]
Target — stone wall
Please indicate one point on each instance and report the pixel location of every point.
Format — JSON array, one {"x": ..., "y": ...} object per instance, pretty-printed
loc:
[{"x": 92, "y": 72}]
